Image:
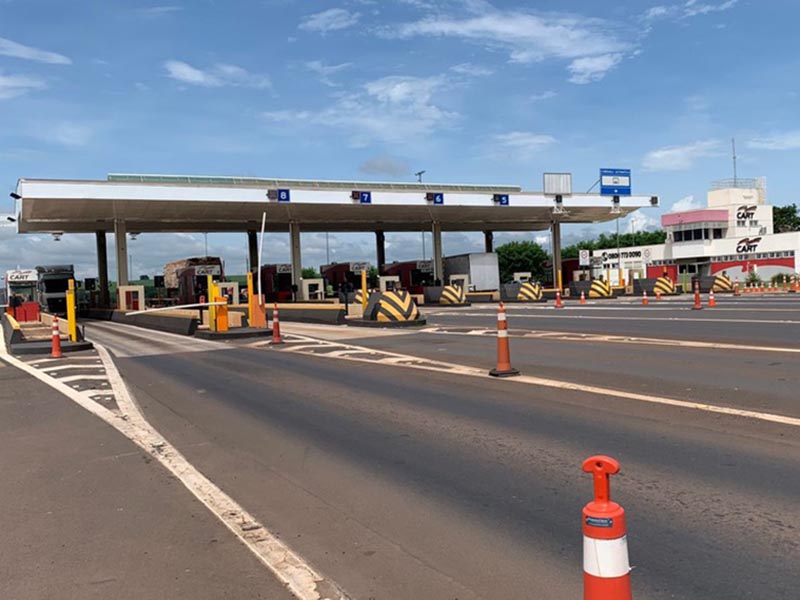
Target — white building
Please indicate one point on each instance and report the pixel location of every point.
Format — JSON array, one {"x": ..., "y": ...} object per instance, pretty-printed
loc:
[{"x": 734, "y": 233}]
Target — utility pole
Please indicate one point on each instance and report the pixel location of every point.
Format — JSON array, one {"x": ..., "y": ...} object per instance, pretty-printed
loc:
[{"x": 733, "y": 147}]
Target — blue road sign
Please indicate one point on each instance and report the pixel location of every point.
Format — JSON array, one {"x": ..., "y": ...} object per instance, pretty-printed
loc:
[
  {"x": 284, "y": 196},
  {"x": 438, "y": 198},
  {"x": 365, "y": 197},
  {"x": 501, "y": 199},
  {"x": 615, "y": 182}
]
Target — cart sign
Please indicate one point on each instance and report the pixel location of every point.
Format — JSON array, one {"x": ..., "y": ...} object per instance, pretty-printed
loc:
[
  {"x": 22, "y": 276},
  {"x": 357, "y": 267},
  {"x": 585, "y": 259},
  {"x": 615, "y": 182}
]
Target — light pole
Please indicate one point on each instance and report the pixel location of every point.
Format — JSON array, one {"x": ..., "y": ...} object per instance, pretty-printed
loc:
[
  {"x": 419, "y": 175},
  {"x": 205, "y": 236},
  {"x": 327, "y": 249}
]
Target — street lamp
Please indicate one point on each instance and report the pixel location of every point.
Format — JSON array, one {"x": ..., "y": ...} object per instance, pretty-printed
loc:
[{"x": 419, "y": 175}]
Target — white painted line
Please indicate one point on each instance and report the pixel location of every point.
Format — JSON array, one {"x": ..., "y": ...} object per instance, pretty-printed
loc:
[
  {"x": 67, "y": 367},
  {"x": 432, "y": 365},
  {"x": 574, "y": 317},
  {"x": 298, "y": 576},
  {"x": 81, "y": 377}
]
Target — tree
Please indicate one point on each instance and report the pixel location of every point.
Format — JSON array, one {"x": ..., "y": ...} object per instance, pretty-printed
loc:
[
  {"x": 785, "y": 218},
  {"x": 626, "y": 240},
  {"x": 310, "y": 273},
  {"x": 521, "y": 256}
]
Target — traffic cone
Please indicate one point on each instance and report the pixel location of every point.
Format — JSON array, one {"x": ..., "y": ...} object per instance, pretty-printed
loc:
[
  {"x": 504, "y": 368},
  {"x": 645, "y": 300},
  {"x": 658, "y": 295},
  {"x": 559, "y": 304},
  {"x": 276, "y": 327},
  {"x": 56, "y": 351},
  {"x": 736, "y": 291},
  {"x": 606, "y": 567},
  {"x": 583, "y": 298},
  {"x": 697, "y": 304},
  {"x": 712, "y": 301}
]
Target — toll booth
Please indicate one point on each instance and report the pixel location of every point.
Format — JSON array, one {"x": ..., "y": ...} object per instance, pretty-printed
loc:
[
  {"x": 413, "y": 275},
  {"x": 276, "y": 282},
  {"x": 193, "y": 281},
  {"x": 389, "y": 283},
  {"x": 21, "y": 286},
  {"x": 337, "y": 274}
]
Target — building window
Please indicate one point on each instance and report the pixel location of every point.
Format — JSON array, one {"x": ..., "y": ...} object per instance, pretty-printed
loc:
[
  {"x": 753, "y": 223},
  {"x": 741, "y": 223},
  {"x": 678, "y": 236},
  {"x": 717, "y": 233}
]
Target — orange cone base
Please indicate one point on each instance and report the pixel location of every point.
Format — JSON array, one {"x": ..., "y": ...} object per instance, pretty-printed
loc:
[
  {"x": 606, "y": 588},
  {"x": 509, "y": 372},
  {"x": 697, "y": 308}
]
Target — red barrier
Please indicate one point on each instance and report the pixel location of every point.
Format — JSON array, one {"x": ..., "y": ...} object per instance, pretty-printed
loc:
[{"x": 606, "y": 569}]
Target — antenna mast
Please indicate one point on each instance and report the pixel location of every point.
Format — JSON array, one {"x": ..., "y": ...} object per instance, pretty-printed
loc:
[{"x": 733, "y": 147}]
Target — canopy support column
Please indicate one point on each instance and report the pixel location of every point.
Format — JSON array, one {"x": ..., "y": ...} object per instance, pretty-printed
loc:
[
  {"x": 297, "y": 264},
  {"x": 121, "y": 242},
  {"x": 102, "y": 268},
  {"x": 438, "y": 262},
  {"x": 556, "y": 240},
  {"x": 252, "y": 251},
  {"x": 380, "y": 243},
  {"x": 488, "y": 241}
]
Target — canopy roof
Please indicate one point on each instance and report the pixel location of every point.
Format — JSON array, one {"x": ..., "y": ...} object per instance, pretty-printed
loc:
[{"x": 165, "y": 203}]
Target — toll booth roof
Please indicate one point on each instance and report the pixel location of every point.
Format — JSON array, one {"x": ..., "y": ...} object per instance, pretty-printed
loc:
[{"x": 162, "y": 203}]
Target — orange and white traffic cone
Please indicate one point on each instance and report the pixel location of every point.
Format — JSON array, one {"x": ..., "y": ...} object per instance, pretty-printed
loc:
[
  {"x": 504, "y": 368},
  {"x": 712, "y": 301},
  {"x": 736, "y": 291},
  {"x": 276, "y": 327},
  {"x": 697, "y": 304},
  {"x": 658, "y": 295},
  {"x": 583, "y": 298},
  {"x": 645, "y": 300},
  {"x": 606, "y": 567},
  {"x": 56, "y": 351},
  {"x": 559, "y": 304}
]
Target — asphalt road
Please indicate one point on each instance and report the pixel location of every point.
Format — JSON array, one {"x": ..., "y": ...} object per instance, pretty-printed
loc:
[{"x": 402, "y": 483}]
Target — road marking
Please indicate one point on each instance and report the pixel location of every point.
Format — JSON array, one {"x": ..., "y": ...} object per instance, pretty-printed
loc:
[
  {"x": 298, "y": 576},
  {"x": 413, "y": 362},
  {"x": 574, "y": 336},
  {"x": 628, "y": 318}
]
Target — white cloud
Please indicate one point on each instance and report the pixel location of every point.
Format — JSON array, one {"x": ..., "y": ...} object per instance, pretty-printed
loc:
[
  {"x": 519, "y": 144},
  {"x": 16, "y": 50},
  {"x": 657, "y": 12},
  {"x": 789, "y": 140},
  {"x": 12, "y": 86},
  {"x": 154, "y": 12},
  {"x": 592, "y": 68},
  {"x": 679, "y": 158},
  {"x": 471, "y": 70},
  {"x": 325, "y": 71},
  {"x": 693, "y": 8},
  {"x": 385, "y": 165},
  {"x": 332, "y": 19},
  {"x": 638, "y": 221},
  {"x": 218, "y": 76},
  {"x": 546, "y": 95},
  {"x": 68, "y": 133},
  {"x": 530, "y": 38},
  {"x": 686, "y": 203},
  {"x": 395, "y": 109}
]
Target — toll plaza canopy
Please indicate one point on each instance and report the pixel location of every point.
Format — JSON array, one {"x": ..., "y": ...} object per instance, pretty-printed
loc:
[{"x": 168, "y": 203}]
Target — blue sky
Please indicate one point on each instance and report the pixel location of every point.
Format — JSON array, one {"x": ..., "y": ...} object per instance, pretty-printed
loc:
[{"x": 469, "y": 91}]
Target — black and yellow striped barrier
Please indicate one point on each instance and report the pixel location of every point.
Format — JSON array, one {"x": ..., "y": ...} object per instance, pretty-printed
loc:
[
  {"x": 530, "y": 292},
  {"x": 722, "y": 283},
  {"x": 600, "y": 289},
  {"x": 453, "y": 294},
  {"x": 664, "y": 286},
  {"x": 358, "y": 298},
  {"x": 395, "y": 307}
]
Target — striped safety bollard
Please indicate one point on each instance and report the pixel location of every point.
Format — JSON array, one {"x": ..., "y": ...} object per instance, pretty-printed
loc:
[
  {"x": 276, "y": 327},
  {"x": 645, "y": 300},
  {"x": 606, "y": 568},
  {"x": 504, "y": 368},
  {"x": 697, "y": 304},
  {"x": 56, "y": 349},
  {"x": 559, "y": 303}
]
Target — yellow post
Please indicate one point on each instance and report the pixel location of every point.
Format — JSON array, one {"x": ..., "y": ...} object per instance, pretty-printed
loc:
[
  {"x": 251, "y": 312},
  {"x": 211, "y": 293},
  {"x": 363, "y": 289},
  {"x": 560, "y": 287},
  {"x": 620, "y": 279},
  {"x": 222, "y": 315},
  {"x": 72, "y": 322},
  {"x": 608, "y": 277}
]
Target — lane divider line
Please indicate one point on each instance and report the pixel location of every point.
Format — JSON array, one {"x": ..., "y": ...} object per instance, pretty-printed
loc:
[
  {"x": 624, "y": 318},
  {"x": 444, "y": 367},
  {"x": 295, "y": 573},
  {"x": 570, "y": 336}
]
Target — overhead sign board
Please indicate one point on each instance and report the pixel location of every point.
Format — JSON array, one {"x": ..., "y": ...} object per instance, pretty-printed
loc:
[
  {"x": 557, "y": 184},
  {"x": 357, "y": 267},
  {"x": 22, "y": 276},
  {"x": 284, "y": 196},
  {"x": 615, "y": 182},
  {"x": 365, "y": 197},
  {"x": 501, "y": 199},
  {"x": 207, "y": 270},
  {"x": 585, "y": 258},
  {"x": 283, "y": 268}
]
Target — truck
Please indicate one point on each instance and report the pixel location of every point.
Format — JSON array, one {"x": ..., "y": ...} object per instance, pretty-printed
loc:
[
  {"x": 480, "y": 267},
  {"x": 188, "y": 278},
  {"x": 51, "y": 287}
]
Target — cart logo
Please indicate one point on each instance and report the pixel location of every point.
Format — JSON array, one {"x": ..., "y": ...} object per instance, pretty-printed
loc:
[
  {"x": 747, "y": 245},
  {"x": 745, "y": 212}
]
